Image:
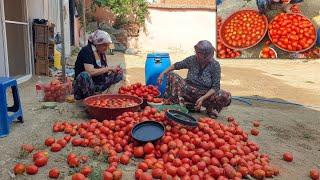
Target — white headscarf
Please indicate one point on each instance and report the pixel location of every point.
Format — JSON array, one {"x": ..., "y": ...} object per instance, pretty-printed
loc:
[{"x": 100, "y": 37}]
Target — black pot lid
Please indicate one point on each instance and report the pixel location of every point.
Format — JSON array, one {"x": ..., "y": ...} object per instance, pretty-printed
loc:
[
  {"x": 181, "y": 118},
  {"x": 147, "y": 131}
]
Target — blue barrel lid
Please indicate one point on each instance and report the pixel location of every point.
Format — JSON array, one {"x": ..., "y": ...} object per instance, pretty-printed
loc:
[{"x": 151, "y": 55}]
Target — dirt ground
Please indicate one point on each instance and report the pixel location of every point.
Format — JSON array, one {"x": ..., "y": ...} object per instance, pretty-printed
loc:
[{"x": 283, "y": 127}]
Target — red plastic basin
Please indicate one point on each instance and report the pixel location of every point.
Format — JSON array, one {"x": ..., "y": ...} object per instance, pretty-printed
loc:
[
  {"x": 104, "y": 113},
  {"x": 302, "y": 49},
  {"x": 221, "y": 30}
]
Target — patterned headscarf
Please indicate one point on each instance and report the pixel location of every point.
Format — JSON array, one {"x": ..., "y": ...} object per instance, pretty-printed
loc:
[
  {"x": 206, "y": 49},
  {"x": 99, "y": 37}
]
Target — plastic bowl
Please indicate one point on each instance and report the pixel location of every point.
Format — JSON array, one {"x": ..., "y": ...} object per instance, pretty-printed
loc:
[
  {"x": 147, "y": 131},
  {"x": 221, "y": 32},
  {"x": 302, "y": 49},
  {"x": 272, "y": 50},
  {"x": 103, "y": 113}
]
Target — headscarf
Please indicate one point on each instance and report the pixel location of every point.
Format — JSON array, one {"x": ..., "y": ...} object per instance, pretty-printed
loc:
[
  {"x": 99, "y": 37},
  {"x": 206, "y": 49}
]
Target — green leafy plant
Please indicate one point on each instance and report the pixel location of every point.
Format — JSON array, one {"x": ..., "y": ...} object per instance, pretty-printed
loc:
[{"x": 126, "y": 11}]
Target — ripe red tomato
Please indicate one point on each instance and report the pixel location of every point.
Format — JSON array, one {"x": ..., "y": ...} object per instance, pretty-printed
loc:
[
  {"x": 49, "y": 141},
  {"x": 40, "y": 154},
  {"x": 78, "y": 176},
  {"x": 54, "y": 173},
  {"x": 55, "y": 147},
  {"x": 314, "y": 174},
  {"x": 19, "y": 169},
  {"x": 86, "y": 171},
  {"x": 138, "y": 152},
  {"x": 255, "y": 132},
  {"x": 287, "y": 156},
  {"x": 32, "y": 169},
  {"x": 148, "y": 148},
  {"x": 41, "y": 161}
]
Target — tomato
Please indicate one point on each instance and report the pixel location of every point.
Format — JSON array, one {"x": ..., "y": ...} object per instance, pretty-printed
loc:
[
  {"x": 157, "y": 173},
  {"x": 255, "y": 132},
  {"x": 32, "y": 169},
  {"x": 39, "y": 154},
  {"x": 145, "y": 176},
  {"x": 148, "y": 148},
  {"x": 78, "y": 176},
  {"x": 256, "y": 123},
  {"x": 181, "y": 171},
  {"x": 143, "y": 166},
  {"x": 124, "y": 159},
  {"x": 107, "y": 175},
  {"x": 41, "y": 161},
  {"x": 55, "y": 147},
  {"x": 138, "y": 152},
  {"x": 74, "y": 162},
  {"x": 314, "y": 174},
  {"x": 259, "y": 174},
  {"x": 19, "y": 169},
  {"x": 27, "y": 148},
  {"x": 288, "y": 157},
  {"x": 54, "y": 173},
  {"x": 86, "y": 171},
  {"x": 117, "y": 174}
]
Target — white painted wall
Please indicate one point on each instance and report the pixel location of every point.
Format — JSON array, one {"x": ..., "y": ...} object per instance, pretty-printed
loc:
[
  {"x": 2, "y": 51},
  {"x": 177, "y": 29}
]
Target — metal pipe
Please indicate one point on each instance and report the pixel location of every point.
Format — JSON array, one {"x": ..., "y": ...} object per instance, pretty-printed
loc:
[
  {"x": 84, "y": 21},
  {"x": 63, "y": 52}
]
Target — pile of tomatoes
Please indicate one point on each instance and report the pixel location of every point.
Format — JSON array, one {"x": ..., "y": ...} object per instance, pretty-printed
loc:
[
  {"x": 223, "y": 51},
  {"x": 139, "y": 90},
  {"x": 114, "y": 103},
  {"x": 56, "y": 91},
  {"x": 244, "y": 29},
  {"x": 268, "y": 53},
  {"x": 210, "y": 151},
  {"x": 313, "y": 53},
  {"x": 292, "y": 32}
]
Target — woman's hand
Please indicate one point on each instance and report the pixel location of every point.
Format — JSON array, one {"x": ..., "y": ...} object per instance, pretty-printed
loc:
[
  {"x": 159, "y": 80},
  {"x": 199, "y": 103}
]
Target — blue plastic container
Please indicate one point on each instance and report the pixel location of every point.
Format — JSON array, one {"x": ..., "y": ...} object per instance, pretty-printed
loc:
[
  {"x": 156, "y": 63},
  {"x": 318, "y": 39}
]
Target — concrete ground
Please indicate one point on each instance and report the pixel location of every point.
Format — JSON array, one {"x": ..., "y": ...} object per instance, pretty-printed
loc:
[
  {"x": 309, "y": 8},
  {"x": 283, "y": 127}
]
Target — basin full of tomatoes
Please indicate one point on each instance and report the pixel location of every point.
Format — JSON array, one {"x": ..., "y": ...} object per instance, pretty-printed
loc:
[
  {"x": 139, "y": 90},
  {"x": 268, "y": 53},
  {"x": 56, "y": 91},
  {"x": 243, "y": 29},
  {"x": 292, "y": 32},
  {"x": 114, "y": 103},
  {"x": 223, "y": 51}
]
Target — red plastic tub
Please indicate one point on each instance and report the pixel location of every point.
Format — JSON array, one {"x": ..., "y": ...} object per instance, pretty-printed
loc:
[
  {"x": 221, "y": 30},
  {"x": 303, "y": 50},
  {"x": 103, "y": 113}
]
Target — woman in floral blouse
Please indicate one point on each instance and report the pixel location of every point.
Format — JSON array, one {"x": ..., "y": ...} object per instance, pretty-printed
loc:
[{"x": 202, "y": 85}]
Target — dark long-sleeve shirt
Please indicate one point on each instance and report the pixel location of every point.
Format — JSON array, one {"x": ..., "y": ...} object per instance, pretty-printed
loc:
[{"x": 208, "y": 79}]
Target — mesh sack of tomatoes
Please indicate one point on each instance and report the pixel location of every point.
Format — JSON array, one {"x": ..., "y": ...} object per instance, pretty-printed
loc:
[
  {"x": 243, "y": 29},
  {"x": 223, "y": 51},
  {"x": 292, "y": 32},
  {"x": 56, "y": 91}
]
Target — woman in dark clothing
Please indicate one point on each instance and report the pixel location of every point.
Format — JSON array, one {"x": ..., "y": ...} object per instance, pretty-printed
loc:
[
  {"x": 91, "y": 69},
  {"x": 202, "y": 85}
]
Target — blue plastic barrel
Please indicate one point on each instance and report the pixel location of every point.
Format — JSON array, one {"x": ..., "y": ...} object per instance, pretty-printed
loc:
[
  {"x": 318, "y": 39},
  {"x": 156, "y": 63}
]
